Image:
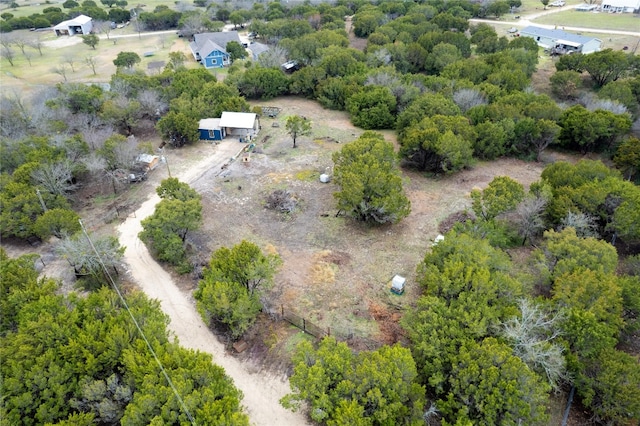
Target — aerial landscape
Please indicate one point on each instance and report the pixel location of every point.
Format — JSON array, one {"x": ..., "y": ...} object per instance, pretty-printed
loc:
[{"x": 320, "y": 213}]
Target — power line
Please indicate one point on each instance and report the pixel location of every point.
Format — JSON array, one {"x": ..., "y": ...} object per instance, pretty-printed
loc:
[{"x": 126, "y": 305}]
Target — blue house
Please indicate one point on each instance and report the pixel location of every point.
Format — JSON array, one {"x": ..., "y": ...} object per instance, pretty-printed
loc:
[
  {"x": 210, "y": 48},
  {"x": 210, "y": 130}
]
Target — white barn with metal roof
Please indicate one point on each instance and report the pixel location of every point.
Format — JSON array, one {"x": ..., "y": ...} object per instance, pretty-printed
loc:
[{"x": 81, "y": 24}]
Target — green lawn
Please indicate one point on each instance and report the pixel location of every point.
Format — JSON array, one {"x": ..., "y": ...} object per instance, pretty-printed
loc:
[
  {"x": 605, "y": 21},
  {"x": 29, "y": 7}
]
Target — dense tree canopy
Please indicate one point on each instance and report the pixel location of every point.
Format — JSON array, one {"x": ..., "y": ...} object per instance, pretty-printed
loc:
[
  {"x": 371, "y": 187},
  {"x": 67, "y": 358},
  {"x": 372, "y": 388},
  {"x": 229, "y": 293}
]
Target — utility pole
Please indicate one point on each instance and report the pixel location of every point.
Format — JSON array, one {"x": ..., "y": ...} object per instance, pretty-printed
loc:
[
  {"x": 44, "y": 207},
  {"x": 166, "y": 161}
]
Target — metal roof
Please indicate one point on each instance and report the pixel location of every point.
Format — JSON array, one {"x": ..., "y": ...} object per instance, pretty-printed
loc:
[
  {"x": 209, "y": 124},
  {"x": 207, "y": 42},
  {"x": 555, "y": 35},
  {"x": 78, "y": 20},
  {"x": 238, "y": 120}
]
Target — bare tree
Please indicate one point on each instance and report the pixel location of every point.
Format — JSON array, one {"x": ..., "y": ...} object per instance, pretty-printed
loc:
[
  {"x": 592, "y": 103},
  {"x": 103, "y": 27},
  {"x": 91, "y": 62},
  {"x": 37, "y": 44},
  {"x": 6, "y": 41},
  {"x": 151, "y": 103},
  {"x": 584, "y": 224},
  {"x": 21, "y": 42},
  {"x": 8, "y": 54},
  {"x": 96, "y": 135},
  {"x": 533, "y": 336},
  {"x": 273, "y": 57},
  {"x": 80, "y": 254},
  {"x": 94, "y": 163},
  {"x": 14, "y": 120},
  {"x": 60, "y": 70},
  {"x": 70, "y": 59},
  {"x": 29, "y": 56},
  {"x": 56, "y": 178},
  {"x": 468, "y": 98},
  {"x": 527, "y": 217},
  {"x": 193, "y": 24}
]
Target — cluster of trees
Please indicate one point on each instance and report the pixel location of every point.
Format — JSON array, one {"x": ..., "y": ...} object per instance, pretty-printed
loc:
[
  {"x": 53, "y": 15},
  {"x": 165, "y": 231},
  {"x": 80, "y": 360},
  {"x": 230, "y": 294},
  {"x": 193, "y": 95}
]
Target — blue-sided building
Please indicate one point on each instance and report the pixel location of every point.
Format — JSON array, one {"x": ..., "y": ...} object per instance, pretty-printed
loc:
[{"x": 210, "y": 48}]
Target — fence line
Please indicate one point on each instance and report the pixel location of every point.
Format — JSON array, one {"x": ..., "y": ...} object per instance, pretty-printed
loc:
[{"x": 304, "y": 324}]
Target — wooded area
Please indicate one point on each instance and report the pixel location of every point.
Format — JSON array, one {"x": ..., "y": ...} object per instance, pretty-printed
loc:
[{"x": 487, "y": 340}]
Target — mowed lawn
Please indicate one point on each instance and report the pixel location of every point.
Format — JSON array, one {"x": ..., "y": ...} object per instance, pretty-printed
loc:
[{"x": 604, "y": 21}]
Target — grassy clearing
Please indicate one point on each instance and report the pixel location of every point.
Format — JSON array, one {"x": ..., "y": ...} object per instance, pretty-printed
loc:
[
  {"x": 605, "y": 21},
  {"x": 42, "y": 70}
]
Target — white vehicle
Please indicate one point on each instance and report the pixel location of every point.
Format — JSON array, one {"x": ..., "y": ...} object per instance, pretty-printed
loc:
[{"x": 557, "y": 3}]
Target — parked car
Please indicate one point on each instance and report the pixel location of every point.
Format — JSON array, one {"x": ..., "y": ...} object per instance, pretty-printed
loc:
[{"x": 557, "y": 3}]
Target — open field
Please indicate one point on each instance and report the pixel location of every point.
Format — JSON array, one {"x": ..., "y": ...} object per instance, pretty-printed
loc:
[
  {"x": 57, "y": 52},
  {"x": 605, "y": 21}
]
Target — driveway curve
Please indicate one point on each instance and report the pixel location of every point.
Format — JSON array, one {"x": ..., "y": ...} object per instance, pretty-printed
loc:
[{"x": 262, "y": 391}]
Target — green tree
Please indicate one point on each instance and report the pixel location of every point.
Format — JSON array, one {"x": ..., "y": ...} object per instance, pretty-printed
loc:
[
  {"x": 609, "y": 65},
  {"x": 165, "y": 231},
  {"x": 236, "y": 50},
  {"x": 178, "y": 128},
  {"x": 490, "y": 386},
  {"x": 227, "y": 304},
  {"x": 262, "y": 83},
  {"x": 610, "y": 387},
  {"x": 91, "y": 40},
  {"x": 244, "y": 264},
  {"x": 591, "y": 131},
  {"x": 173, "y": 189},
  {"x": 371, "y": 187},
  {"x": 126, "y": 59},
  {"x": 502, "y": 194},
  {"x": 297, "y": 126},
  {"x": 229, "y": 293},
  {"x": 58, "y": 222},
  {"x": 627, "y": 157},
  {"x": 379, "y": 385},
  {"x": 439, "y": 143}
]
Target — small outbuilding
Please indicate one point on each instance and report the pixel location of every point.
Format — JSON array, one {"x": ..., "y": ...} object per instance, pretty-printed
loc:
[
  {"x": 397, "y": 284},
  {"x": 147, "y": 162},
  {"x": 81, "y": 24},
  {"x": 210, "y": 129},
  {"x": 242, "y": 124}
]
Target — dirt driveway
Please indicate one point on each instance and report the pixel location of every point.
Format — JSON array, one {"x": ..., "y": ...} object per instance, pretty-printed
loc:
[{"x": 261, "y": 391}]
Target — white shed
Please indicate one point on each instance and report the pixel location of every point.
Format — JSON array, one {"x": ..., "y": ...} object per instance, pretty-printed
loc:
[
  {"x": 555, "y": 38},
  {"x": 244, "y": 124},
  {"x": 81, "y": 24}
]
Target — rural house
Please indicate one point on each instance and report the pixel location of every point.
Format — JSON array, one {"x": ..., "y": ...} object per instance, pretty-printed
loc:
[
  {"x": 561, "y": 41},
  {"x": 81, "y": 24},
  {"x": 242, "y": 124},
  {"x": 210, "y": 49},
  {"x": 620, "y": 6},
  {"x": 210, "y": 130}
]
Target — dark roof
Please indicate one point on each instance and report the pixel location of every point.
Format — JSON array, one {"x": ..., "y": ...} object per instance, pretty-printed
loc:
[
  {"x": 555, "y": 35},
  {"x": 205, "y": 43}
]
